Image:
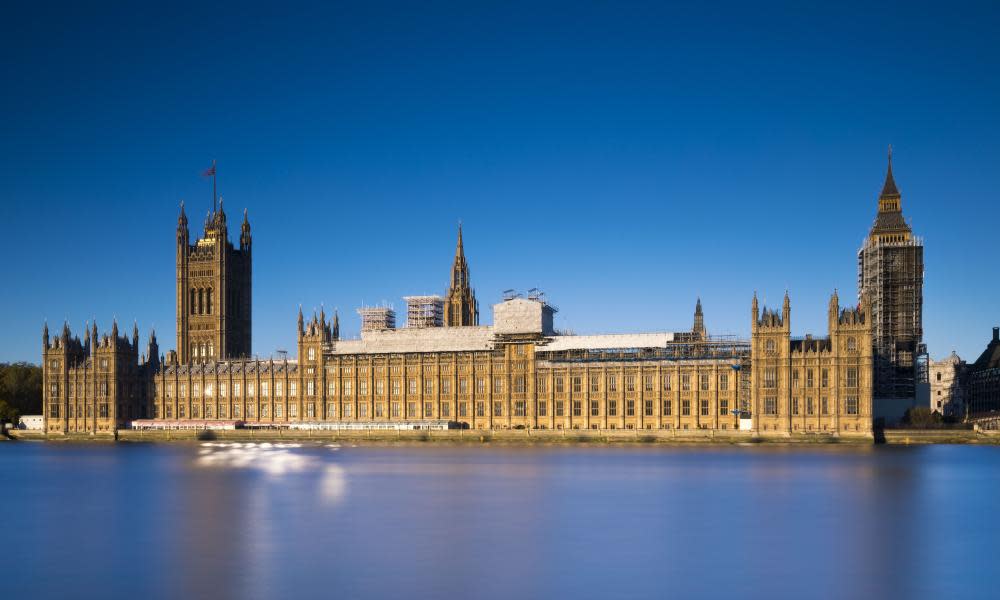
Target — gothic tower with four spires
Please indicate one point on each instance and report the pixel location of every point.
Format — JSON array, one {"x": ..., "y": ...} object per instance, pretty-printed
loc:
[{"x": 213, "y": 291}]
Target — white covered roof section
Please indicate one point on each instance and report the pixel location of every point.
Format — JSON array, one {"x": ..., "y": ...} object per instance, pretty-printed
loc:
[
  {"x": 430, "y": 339},
  {"x": 609, "y": 341}
]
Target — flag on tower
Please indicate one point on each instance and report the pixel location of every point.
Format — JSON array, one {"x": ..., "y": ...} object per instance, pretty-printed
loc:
[{"x": 209, "y": 172}]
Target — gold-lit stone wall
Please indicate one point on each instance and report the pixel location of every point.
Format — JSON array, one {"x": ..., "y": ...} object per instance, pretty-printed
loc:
[{"x": 812, "y": 385}]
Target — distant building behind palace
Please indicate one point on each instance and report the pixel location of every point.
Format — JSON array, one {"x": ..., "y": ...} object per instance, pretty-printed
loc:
[
  {"x": 982, "y": 381},
  {"x": 443, "y": 367}
]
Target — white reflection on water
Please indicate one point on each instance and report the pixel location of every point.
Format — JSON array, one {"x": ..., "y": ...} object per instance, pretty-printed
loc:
[{"x": 276, "y": 461}]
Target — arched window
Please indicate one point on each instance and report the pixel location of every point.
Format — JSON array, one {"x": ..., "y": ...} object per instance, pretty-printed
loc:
[
  {"x": 769, "y": 346},
  {"x": 194, "y": 351},
  {"x": 194, "y": 305},
  {"x": 201, "y": 301},
  {"x": 211, "y": 349},
  {"x": 852, "y": 344},
  {"x": 208, "y": 301},
  {"x": 203, "y": 350}
]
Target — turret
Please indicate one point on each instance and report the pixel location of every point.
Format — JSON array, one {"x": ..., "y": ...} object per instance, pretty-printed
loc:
[
  {"x": 301, "y": 323},
  {"x": 699, "y": 322},
  {"x": 135, "y": 335},
  {"x": 153, "y": 350},
  {"x": 833, "y": 310},
  {"x": 245, "y": 238},
  {"x": 45, "y": 335},
  {"x": 182, "y": 225},
  {"x": 786, "y": 310},
  {"x": 336, "y": 325}
]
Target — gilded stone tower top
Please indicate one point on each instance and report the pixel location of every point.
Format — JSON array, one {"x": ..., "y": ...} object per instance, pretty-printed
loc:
[{"x": 889, "y": 225}]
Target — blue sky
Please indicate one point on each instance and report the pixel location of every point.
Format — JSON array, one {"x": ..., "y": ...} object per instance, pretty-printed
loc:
[{"x": 624, "y": 157}]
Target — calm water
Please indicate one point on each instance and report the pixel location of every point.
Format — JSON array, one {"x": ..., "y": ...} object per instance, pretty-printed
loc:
[{"x": 236, "y": 521}]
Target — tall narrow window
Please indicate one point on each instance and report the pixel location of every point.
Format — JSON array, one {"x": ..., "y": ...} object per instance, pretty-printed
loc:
[
  {"x": 208, "y": 301},
  {"x": 770, "y": 378}
]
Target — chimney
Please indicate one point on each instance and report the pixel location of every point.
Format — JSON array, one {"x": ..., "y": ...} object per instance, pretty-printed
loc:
[{"x": 996, "y": 334}]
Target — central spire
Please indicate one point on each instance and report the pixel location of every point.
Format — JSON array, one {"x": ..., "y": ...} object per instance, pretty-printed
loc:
[{"x": 461, "y": 308}]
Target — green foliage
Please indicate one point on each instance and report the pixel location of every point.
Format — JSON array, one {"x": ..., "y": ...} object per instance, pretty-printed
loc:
[
  {"x": 921, "y": 416},
  {"x": 20, "y": 390}
]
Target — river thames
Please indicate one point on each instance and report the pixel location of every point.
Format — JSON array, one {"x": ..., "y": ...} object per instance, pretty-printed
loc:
[{"x": 328, "y": 521}]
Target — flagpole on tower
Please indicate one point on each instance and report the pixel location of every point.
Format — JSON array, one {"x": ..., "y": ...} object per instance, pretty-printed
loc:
[
  {"x": 214, "y": 196},
  {"x": 211, "y": 171}
]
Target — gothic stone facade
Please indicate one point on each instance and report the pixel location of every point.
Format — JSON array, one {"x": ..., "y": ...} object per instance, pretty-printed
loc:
[
  {"x": 98, "y": 385},
  {"x": 518, "y": 372},
  {"x": 523, "y": 375},
  {"x": 812, "y": 384},
  {"x": 213, "y": 291}
]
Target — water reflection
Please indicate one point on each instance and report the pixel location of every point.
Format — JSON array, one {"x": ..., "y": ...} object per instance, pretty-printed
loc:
[{"x": 315, "y": 521}]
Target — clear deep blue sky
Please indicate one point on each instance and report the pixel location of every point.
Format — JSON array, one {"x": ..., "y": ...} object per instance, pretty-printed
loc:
[{"x": 623, "y": 157}]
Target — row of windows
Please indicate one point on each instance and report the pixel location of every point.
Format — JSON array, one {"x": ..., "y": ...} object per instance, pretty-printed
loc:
[
  {"x": 519, "y": 408},
  {"x": 102, "y": 411},
  {"x": 852, "y": 345},
  {"x": 201, "y": 301},
  {"x": 771, "y": 378},
  {"x": 202, "y": 350},
  {"x": 78, "y": 389},
  {"x": 237, "y": 388},
  {"x": 810, "y": 406},
  {"x": 519, "y": 386}
]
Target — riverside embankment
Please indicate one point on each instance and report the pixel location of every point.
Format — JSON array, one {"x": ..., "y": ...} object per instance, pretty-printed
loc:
[{"x": 528, "y": 437}]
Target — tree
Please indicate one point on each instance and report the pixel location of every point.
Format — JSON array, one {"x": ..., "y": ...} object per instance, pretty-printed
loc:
[
  {"x": 921, "y": 416},
  {"x": 20, "y": 390}
]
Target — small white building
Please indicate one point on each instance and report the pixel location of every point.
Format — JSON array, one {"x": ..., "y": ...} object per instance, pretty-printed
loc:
[
  {"x": 32, "y": 423},
  {"x": 946, "y": 389}
]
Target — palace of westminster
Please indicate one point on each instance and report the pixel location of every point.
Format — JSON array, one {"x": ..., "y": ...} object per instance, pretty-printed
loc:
[{"x": 444, "y": 369}]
